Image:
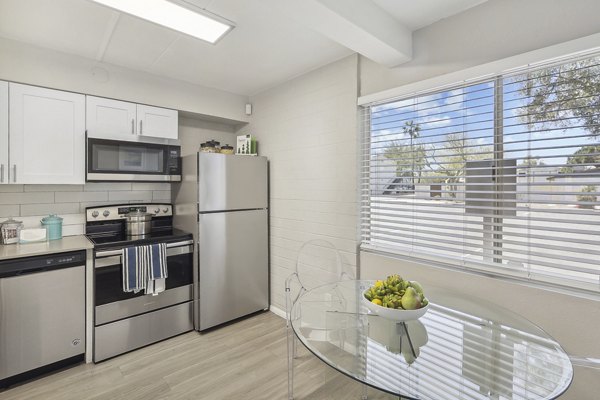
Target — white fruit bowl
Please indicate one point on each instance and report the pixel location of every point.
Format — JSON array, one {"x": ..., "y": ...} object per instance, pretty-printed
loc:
[{"x": 394, "y": 314}]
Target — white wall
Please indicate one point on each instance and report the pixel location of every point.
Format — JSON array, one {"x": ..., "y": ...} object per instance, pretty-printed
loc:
[
  {"x": 307, "y": 129},
  {"x": 33, "y": 65},
  {"x": 491, "y": 31}
]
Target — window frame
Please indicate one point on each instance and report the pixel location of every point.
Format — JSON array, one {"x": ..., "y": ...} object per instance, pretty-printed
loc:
[{"x": 364, "y": 160}]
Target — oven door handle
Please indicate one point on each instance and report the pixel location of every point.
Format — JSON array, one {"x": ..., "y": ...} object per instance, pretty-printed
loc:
[
  {"x": 113, "y": 257},
  {"x": 107, "y": 261},
  {"x": 179, "y": 244}
]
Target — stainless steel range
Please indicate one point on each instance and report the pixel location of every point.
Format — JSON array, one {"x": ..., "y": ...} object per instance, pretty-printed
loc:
[{"x": 124, "y": 321}]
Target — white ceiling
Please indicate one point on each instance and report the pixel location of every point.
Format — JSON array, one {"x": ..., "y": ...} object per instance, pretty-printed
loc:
[
  {"x": 416, "y": 14},
  {"x": 267, "y": 46}
]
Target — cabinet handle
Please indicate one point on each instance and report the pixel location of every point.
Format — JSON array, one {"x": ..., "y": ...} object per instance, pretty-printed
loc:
[
  {"x": 132, "y": 126},
  {"x": 141, "y": 131},
  {"x": 1, "y": 173},
  {"x": 15, "y": 173}
]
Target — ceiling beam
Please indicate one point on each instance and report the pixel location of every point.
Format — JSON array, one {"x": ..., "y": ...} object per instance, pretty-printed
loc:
[
  {"x": 359, "y": 25},
  {"x": 108, "y": 34}
]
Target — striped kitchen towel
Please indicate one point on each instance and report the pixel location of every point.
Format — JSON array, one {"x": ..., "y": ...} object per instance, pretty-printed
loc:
[{"x": 142, "y": 265}]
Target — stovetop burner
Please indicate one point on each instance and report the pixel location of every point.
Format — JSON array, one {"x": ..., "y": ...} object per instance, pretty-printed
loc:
[
  {"x": 122, "y": 240},
  {"x": 105, "y": 226}
]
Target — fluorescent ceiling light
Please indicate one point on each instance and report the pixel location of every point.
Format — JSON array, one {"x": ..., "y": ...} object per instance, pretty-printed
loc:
[{"x": 182, "y": 19}]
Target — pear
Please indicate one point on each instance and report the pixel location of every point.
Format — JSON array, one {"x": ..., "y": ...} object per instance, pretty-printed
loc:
[
  {"x": 411, "y": 299},
  {"x": 417, "y": 286}
]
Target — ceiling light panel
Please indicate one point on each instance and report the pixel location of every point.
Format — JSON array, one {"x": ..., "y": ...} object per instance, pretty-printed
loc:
[{"x": 173, "y": 16}]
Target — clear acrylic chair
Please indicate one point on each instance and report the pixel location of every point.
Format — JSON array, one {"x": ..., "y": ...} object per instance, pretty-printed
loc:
[{"x": 318, "y": 263}]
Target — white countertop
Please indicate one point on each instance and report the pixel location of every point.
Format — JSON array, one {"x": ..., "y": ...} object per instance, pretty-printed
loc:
[{"x": 67, "y": 243}]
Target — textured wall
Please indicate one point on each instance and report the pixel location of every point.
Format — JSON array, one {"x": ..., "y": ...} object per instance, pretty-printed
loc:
[{"x": 307, "y": 129}]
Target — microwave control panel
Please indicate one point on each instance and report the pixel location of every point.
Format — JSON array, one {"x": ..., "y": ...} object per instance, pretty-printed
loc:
[{"x": 174, "y": 161}]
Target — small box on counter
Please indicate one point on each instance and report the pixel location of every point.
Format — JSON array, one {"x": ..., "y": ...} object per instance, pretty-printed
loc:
[
  {"x": 10, "y": 230},
  {"x": 33, "y": 235},
  {"x": 246, "y": 144}
]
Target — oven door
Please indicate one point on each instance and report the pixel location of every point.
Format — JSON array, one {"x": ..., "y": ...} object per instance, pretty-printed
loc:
[
  {"x": 112, "y": 303},
  {"x": 115, "y": 160}
]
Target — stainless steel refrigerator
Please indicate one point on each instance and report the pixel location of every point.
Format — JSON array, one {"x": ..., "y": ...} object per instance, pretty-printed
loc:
[{"x": 223, "y": 200}]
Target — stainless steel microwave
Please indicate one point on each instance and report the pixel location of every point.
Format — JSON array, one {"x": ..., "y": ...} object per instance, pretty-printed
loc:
[{"x": 119, "y": 160}]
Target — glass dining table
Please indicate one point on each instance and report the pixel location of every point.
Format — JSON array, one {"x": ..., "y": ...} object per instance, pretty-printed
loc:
[{"x": 462, "y": 348}]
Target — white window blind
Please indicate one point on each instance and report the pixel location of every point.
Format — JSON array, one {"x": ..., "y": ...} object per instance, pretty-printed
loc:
[{"x": 501, "y": 175}]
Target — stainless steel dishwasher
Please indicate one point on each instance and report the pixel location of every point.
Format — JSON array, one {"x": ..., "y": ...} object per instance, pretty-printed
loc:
[{"x": 42, "y": 314}]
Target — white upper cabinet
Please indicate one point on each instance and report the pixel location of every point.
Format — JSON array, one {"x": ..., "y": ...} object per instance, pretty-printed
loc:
[
  {"x": 110, "y": 118},
  {"x": 47, "y": 136},
  {"x": 115, "y": 119},
  {"x": 157, "y": 122},
  {"x": 3, "y": 132}
]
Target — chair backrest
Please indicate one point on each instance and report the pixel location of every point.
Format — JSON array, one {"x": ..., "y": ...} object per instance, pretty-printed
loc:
[{"x": 318, "y": 263}]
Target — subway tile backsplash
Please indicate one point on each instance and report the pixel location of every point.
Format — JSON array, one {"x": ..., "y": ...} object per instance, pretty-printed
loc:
[
  {"x": 66, "y": 197},
  {"x": 30, "y": 203}
]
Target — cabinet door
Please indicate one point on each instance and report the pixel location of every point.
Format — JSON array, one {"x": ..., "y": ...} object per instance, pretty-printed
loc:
[
  {"x": 107, "y": 118},
  {"x": 157, "y": 122},
  {"x": 3, "y": 132},
  {"x": 47, "y": 136}
]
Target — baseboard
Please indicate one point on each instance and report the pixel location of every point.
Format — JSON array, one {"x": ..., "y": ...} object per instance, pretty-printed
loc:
[{"x": 277, "y": 311}]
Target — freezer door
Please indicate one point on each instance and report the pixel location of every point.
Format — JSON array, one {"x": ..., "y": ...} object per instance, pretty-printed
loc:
[
  {"x": 231, "y": 182},
  {"x": 233, "y": 263}
]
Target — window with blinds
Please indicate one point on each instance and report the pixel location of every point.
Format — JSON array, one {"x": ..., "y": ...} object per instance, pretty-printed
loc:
[{"x": 501, "y": 175}]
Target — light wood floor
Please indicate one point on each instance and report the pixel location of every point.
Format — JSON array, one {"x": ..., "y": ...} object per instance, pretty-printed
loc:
[{"x": 246, "y": 360}]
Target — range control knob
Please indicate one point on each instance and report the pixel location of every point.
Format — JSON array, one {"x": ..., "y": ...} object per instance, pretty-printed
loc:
[
  {"x": 95, "y": 214},
  {"x": 165, "y": 210},
  {"x": 106, "y": 213},
  {"x": 156, "y": 210}
]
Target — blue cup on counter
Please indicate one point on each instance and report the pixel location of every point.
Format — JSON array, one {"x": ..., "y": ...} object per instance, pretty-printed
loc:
[{"x": 53, "y": 225}]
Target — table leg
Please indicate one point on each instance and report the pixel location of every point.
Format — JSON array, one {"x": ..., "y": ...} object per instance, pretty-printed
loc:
[
  {"x": 294, "y": 346},
  {"x": 290, "y": 354},
  {"x": 364, "y": 395}
]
